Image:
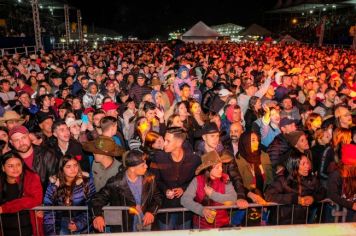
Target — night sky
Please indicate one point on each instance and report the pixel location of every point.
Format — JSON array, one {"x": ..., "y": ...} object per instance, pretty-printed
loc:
[{"x": 148, "y": 19}]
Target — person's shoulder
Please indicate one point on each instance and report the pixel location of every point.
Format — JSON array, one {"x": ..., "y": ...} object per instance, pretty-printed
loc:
[
  {"x": 114, "y": 181},
  {"x": 161, "y": 157},
  {"x": 32, "y": 176},
  {"x": 265, "y": 159}
]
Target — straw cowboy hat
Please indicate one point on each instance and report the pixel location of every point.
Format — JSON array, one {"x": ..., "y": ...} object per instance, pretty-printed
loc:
[
  {"x": 155, "y": 81},
  {"x": 104, "y": 145},
  {"x": 11, "y": 115},
  {"x": 212, "y": 158}
]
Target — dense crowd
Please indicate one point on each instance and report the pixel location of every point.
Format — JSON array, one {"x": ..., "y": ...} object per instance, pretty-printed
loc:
[{"x": 154, "y": 126}]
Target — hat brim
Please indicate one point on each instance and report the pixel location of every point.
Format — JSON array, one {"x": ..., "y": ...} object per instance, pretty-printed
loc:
[
  {"x": 155, "y": 84},
  {"x": 223, "y": 159},
  {"x": 76, "y": 122},
  {"x": 90, "y": 147},
  {"x": 2, "y": 121}
]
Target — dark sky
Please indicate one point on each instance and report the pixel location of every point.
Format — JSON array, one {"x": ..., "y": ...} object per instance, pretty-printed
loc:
[{"x": 146, "y": 19}]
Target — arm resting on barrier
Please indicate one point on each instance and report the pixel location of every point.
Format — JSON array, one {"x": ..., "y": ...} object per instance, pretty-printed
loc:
[
  {"x": 229, "y": 195},
  {"x": 187, "y": 199}
]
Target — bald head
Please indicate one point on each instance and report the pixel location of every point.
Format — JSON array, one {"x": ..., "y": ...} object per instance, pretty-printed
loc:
[{"x": 236, "y": 130}]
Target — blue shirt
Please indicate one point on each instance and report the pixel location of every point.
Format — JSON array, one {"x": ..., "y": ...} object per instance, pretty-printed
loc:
[{"x": 136, "y": 190}]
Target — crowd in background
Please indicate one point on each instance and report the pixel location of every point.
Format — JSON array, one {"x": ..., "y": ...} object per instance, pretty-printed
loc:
[{"x": 156, "y": 125}]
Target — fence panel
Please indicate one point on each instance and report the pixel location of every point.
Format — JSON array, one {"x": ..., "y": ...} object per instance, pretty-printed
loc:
[{"x": 114, "y": 214}]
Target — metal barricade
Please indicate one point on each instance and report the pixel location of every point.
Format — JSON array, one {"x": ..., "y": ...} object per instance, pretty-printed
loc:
[
  {"x": 18, "y": 50},
  {"x": 312, "y": 215}
]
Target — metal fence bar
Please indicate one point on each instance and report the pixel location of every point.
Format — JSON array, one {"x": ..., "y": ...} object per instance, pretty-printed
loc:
[
  {"x": 246, "y": 217},
  {"x": 19, "y": 223},
  {"x": 88, "y": 224},
  {"x": 36, "y": 222},
  {"x": 2, "y": 229},
  {"x": 182, "y": 210},
  {"x": 54, "y": 222},
  {"x": 321, "y": 212},
  {"x": 278, "y": 215},
  {"x": 70, "y": 219}
]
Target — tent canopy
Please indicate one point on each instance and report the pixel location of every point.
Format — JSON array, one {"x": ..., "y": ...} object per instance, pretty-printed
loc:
[
  {"x": 255, "y": 30},
  {"x": 201, "y": 30},
  {"x": 288, "y": 39}
]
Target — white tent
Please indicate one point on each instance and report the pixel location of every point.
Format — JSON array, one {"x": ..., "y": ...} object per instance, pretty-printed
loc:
[
  {"x": 255, "y": 30},
  {"x": 287, "y": 39},
  {"x": 200, "y": 32}
]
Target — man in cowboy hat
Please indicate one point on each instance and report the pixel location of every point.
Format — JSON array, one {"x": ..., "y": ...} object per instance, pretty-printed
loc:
[
  {"x": 11, "y": 119},
  {"x": 104, "y": 165}
]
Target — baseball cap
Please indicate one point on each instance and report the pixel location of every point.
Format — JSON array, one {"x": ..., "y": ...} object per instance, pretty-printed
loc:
[
  {"x": 107, "y": 106},
  {"x": 286, "y": 121},
  {"x": 224, "y": 92},
  {"x": 19, "y": 129}
]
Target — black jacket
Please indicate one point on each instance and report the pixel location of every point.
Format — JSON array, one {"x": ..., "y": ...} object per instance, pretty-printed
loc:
[
  {"x": 284, "y": 190},
  {"x": 278, "y": 151},
  {"x": 45, "y": 164},
  {"x": 117, "y": 192},
  {"x": 74, "y": 149},
  {"x": 334, "y": 186}
]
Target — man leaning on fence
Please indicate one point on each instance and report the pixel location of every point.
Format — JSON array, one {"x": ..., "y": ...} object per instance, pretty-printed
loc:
[{"x": 132, "y": 187}]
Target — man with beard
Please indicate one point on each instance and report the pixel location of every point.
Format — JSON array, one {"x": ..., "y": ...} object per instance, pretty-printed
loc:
[
  {"x": 326, "y": 108},
  {"x": 39, "y": 159},
  {"x": 212, "y": 142},
  {"x": 236, "y": 130},
  {"x": 289, "y": 110}
]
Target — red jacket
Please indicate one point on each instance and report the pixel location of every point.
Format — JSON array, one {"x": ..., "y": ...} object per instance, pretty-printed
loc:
[
  {"x": 222, "y": 217},
  {"x": 32, "y": 196}
]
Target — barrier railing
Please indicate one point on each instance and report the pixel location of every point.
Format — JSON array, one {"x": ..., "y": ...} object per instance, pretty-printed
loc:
[
  {"x": 18, "y": 50},
  {"x": 312, "y": 215}
]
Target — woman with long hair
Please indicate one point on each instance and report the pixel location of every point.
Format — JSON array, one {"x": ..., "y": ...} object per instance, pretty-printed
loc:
[
  {"x": 181, "y": 108},
  {"x": 154, "y": 116},
  {"x": 322, "y": 153},
  {"x": 198, "y": 121},
  {"x": 71, "y": 187},
  {"x": 342, "y": 182},
  {"x": 211, "y": 187},
  {"x": 142, "y": 127},
  {"x": 153, "y": 144},
  {"x": 174, "y": 121},
  {"x": 20, "y": 190},
  {"x": 312, "y": 123},
  {"x": 340, "y": 136},
  {"x": 253, "y": 112},
  {"x": 45, "y": 106},
  {"x": 300, "y": 188},
  {"x": 254, "y": 165}
]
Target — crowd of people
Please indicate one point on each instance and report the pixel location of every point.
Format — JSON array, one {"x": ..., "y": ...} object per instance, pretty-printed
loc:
[{"x": 153, "y": 126}]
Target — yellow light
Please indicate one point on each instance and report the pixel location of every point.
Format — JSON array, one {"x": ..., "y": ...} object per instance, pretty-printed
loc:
[{"x": 294, "y": 21}]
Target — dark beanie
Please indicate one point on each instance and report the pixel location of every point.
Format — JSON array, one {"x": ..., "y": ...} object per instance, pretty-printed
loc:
[
  {"x": 293, "y": 137},
  {"x": 133, "y": 158}
]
